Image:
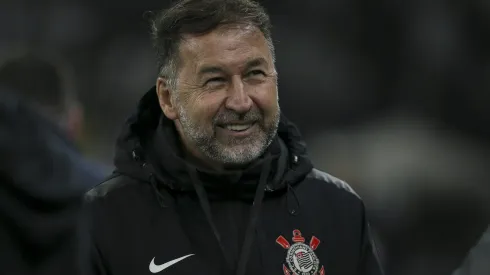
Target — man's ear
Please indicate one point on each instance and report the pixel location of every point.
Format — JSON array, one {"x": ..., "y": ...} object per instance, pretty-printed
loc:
[
  {"x": 165, "y": 99},
  {"x": 74, "y": 122}
]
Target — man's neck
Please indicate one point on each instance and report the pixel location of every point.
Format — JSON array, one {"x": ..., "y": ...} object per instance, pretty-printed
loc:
[{"x": 200, "y": 161}]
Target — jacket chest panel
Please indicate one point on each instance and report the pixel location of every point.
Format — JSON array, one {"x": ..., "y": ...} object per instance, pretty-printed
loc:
[
  {"x": 308, "y": 243},
  {"x": 154, "y": 245},
  {"x": 182, "y": 242}
]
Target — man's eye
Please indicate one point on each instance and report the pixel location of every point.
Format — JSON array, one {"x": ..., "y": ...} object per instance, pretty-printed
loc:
[
  {"x": 256, "y": 73},
  {"x": 215, "y": 80}
]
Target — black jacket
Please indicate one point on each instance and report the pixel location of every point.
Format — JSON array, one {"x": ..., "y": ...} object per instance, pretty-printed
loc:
[
  {"x": 276, "y": 217},
  {"x": 43, "y": 180}
]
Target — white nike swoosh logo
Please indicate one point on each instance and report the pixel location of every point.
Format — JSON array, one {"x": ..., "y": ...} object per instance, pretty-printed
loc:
[{"x": 158, "y": 268}]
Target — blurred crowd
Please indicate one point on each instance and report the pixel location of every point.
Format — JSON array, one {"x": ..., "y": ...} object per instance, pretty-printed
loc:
[{"x": 392, "y": 96}]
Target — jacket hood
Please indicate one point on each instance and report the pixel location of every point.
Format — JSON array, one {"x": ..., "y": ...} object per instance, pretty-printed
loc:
[{"x": 149, "y": 148}]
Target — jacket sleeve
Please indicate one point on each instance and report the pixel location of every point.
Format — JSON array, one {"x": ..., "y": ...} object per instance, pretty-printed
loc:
[
  {"x": 97, "y": 263},
  {"x": 476, "y": 262},
  {"x": 370, "y": 263}
]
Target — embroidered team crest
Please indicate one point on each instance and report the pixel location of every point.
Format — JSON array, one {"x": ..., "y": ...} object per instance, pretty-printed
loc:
[{"x": 301, "y": 258}]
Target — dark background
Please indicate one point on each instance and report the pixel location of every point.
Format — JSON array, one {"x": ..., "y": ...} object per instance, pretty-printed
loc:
[{"x": 392, "y": 96}]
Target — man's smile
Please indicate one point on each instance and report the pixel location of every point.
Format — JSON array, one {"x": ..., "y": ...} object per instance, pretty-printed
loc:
[{"x": 237, "y": 130}]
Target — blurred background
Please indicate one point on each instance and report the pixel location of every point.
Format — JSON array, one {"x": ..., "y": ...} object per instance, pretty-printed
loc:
[{"x": 391, "y": 96}]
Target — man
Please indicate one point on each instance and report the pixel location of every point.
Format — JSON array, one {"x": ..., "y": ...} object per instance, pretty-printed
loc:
[
  {"x": 43, "y": 178},
  {"x": 43, "y": 84},
  {"x": 211, "y": 178},
  {"x": 42, "y": 182}
]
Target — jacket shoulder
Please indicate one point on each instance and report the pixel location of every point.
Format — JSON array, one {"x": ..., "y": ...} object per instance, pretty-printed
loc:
[
  {"x": 113, "y": 184},
  {"x": 324, "y": 177}
]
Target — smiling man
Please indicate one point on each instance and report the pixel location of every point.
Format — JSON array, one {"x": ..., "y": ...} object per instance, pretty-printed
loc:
[{"x": 211, "y": 178}]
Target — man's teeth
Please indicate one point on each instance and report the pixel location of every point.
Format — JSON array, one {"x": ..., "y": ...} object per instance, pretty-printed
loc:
[{"x": 241, "y": 127}]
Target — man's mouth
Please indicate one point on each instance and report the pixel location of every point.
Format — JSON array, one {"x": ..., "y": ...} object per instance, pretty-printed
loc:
[{"x": 237, "y": 127}]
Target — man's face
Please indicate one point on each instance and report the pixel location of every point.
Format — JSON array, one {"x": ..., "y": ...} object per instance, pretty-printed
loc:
[{"x": 226, "y": 97}]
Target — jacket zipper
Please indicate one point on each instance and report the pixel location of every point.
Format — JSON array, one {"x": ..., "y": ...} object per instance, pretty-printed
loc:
[{"x": 233, "y": 233}]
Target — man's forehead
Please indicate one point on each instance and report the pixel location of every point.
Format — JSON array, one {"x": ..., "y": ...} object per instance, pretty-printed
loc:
[
  {"x": 223, "y": 33},
  {"x": 237, "y": 45}
]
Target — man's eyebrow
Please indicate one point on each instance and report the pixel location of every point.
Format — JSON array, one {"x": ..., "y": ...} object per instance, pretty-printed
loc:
[
  {"x": 255, "y": 62},
  {"x": 209, "y": 70}
]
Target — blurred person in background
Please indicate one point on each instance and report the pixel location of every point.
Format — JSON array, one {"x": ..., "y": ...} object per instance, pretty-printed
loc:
[
  {"x": 45, "y": 84},
  {"x": 478, "y": 260},
  {"x": 42, "y": 176},
  {"x": 210, "y": 172}
]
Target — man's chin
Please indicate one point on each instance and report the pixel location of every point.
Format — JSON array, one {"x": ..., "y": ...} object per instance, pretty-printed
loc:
[{"x": 242, "y": 154}]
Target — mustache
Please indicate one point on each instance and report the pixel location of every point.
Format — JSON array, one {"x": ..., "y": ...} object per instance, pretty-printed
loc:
[{"x": 229, "y": 116}]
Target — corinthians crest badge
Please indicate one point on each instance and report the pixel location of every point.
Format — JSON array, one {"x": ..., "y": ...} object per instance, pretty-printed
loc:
[{"x": 301, "y": 258}]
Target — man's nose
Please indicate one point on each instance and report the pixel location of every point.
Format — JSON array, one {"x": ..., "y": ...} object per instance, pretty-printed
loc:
[{"x": 238, "y": 98}]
